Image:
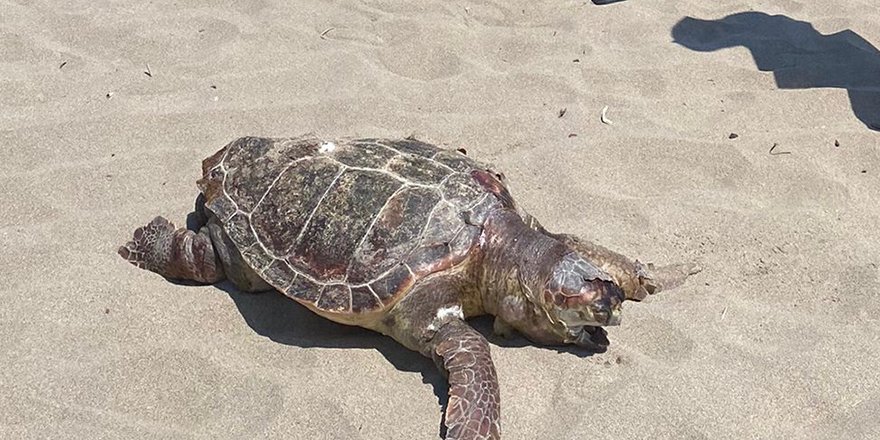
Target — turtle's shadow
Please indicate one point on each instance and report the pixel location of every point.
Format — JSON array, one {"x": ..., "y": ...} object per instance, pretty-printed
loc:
[
  {"x": 799, "y": 56},
  {"x": 283, "y": 320}
]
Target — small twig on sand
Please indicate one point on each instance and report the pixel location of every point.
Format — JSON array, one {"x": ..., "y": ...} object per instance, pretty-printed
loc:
[
  {"x": 604, "y": 116},
  {"x": 778, "y": 152},
  {"x": 148, "y": 72},
  {"x": 325, "y": 32},
  {"x": 62, "y": 65}
]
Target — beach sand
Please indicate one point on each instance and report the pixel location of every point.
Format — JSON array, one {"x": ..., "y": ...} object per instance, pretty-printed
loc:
[{"x": 108, "y": 107}]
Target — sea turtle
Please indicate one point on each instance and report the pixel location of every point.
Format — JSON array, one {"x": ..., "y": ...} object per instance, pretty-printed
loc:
[{"x": 400, "y": 237}]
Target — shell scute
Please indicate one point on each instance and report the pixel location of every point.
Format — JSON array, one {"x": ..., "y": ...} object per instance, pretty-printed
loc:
[
  {"x": 279, "y": 270},
  {"x": 250, "y": 170},
  {"x": 418, "y": 169},
  {"x": 397, "y": 280},
  {"x": 238, "y": 228},
  {"x": 394, "y": 234},
  {"x": 365, "y": 155},
  {"x": 461, "y": 191},
  {"x": 432, "y": 258},
  {"x": 222, "y": 206},
  {"x": 492, "y": 183},
  {"x": 283, "y": 211},
  {"x": 455, "y": 160},
  {"x": 476, "y": 214},
  {"x": 257, "y": 258},
  {"x": 444, "y": 222},
  {"x": 362, "y": 299},
  {"x": 340, "y": 221},
  {"x": 335, "y": 298},
  {"x": 413, "y": 146},
  {"x": 303, "y": 288}
]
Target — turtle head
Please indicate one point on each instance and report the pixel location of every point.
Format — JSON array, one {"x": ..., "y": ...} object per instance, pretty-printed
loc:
[
  {"x": 579, "y": 298},
  {"x": 542, "y": 287}
]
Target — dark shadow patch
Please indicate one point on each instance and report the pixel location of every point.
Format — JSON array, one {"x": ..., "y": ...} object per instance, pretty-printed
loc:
[
  {"x": 797, "y": 54},
  {"x": 284, "y": 321},
  {"x": 196, "y": 219}
]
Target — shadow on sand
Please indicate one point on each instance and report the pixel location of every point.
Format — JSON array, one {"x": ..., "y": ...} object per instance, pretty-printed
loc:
[
  {"x": 282, "y": 320},
  {"x": 799, "y": 56}
]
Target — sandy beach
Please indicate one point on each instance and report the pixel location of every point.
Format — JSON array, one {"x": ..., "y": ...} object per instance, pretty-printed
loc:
[{"x": 744, "y": 135}]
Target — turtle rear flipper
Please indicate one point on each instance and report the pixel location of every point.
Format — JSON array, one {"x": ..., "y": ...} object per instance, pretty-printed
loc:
[
  {"x": 474, "y": 408},
  {"x": 178, "y": 254}
]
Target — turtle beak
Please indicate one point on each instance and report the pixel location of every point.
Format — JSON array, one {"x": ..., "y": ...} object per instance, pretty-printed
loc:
[{"x": 592, "y": 338}]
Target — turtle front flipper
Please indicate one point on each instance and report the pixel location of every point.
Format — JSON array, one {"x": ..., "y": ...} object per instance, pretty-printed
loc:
[
  {"x": 474, "y": 408},
  {"x": 178, "y": 254}
]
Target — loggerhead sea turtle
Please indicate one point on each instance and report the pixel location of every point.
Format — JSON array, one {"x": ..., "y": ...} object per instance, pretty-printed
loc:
[{"x": 404, "y": 238}]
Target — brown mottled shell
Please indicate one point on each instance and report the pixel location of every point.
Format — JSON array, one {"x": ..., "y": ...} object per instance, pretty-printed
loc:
[{"x": 348, "y": 226}]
